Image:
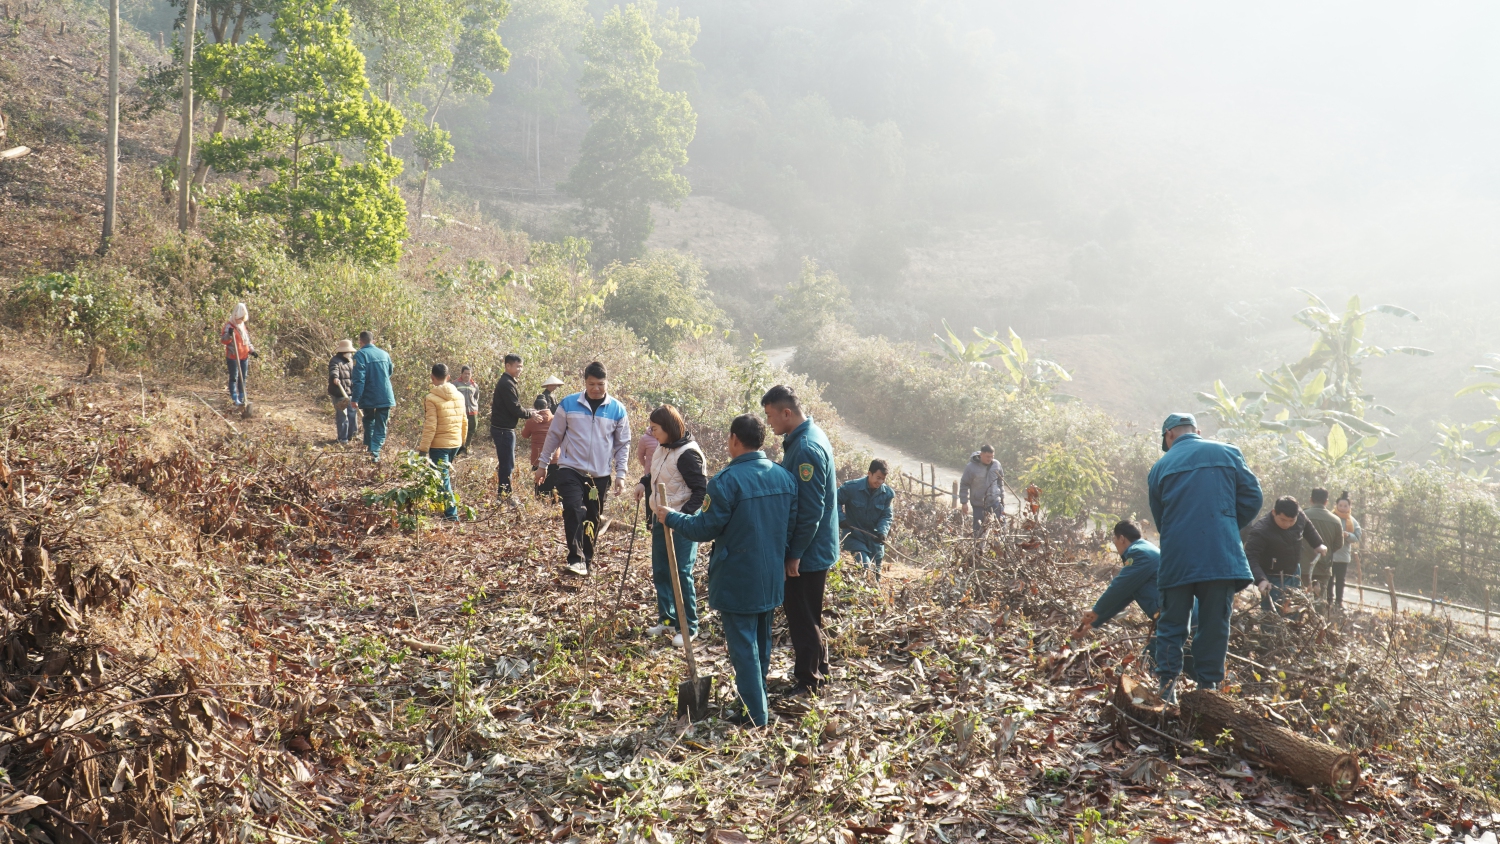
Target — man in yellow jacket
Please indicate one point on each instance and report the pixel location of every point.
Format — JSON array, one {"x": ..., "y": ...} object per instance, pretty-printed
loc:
[{"x": 445, "y": 423}]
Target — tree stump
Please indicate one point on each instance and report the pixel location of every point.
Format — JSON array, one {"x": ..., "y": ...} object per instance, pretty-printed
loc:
[{"x": 1305, "y": 761}]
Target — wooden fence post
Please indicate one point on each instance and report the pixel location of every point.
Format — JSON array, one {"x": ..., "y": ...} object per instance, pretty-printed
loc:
[
  {"x": 1434, "y": 590},
  {"x": 1390, "y": 582},
  {"x": 1359, "y": 577},
  {"x": 955, "y": 493},
  {"x": 1486, "y": 611}
]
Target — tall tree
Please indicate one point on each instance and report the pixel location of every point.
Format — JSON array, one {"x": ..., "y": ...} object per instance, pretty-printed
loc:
[
  {"x": 543, "y": 33},
  {"x": 430, "y": 53},
  {"x": 311, "y": 121},
  {"x": 639, "y": 137},
  {"x": 112, "y": 131}
]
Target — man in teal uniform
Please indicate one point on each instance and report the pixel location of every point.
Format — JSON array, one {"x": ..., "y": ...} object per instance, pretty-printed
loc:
[
  {"x": 1202, "y": 495},
  {"x": 814, "y": 544},
  {"x": 370, "y": 391},
  {"x": 865, "y": 516},
  {"x": 748, "y": 513}
]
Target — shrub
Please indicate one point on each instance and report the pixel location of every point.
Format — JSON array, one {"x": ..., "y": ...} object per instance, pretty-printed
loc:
[
  {"x": 85, "y": 309},
  {"x": 812, "y": 301},
  {"x": 663, "y": 299}
]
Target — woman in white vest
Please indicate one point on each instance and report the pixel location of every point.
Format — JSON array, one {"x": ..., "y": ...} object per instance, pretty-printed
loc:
[{"x": 678, "y": 463}]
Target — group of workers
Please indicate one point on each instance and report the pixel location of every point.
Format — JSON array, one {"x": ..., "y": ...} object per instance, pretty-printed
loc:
[
  {"x": 1205, "y": 502},
  {"x": 777, "y": 529}
]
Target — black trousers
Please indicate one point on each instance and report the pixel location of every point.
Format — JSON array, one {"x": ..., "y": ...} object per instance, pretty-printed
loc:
[
  {"x": 505, "y": 453},
  {"x": 582, "y": 500},
  {"x": 546, "y": 487},
  {"x": 803, "y": 606},
  {"x": 1335, "y": 590}
]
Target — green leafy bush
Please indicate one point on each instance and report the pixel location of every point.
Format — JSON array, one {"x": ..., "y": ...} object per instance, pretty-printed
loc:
[
  {"x": 85, "y": 309},
  {"x": 663, "y": 299}
]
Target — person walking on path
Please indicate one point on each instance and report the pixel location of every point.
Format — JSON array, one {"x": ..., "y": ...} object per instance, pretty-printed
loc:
[
  {"x": 548, "y": 395},
  {"x": 370, "y": 392},
  {"x": 1353, "y": 533},
  {"x": 535, "y": 432},
  {"x": 749, "y": 510},
  {"x": 865, "y": 516},
  {"x": 589, "y": 441},
  {"x": 1319, "y": 566},
  {"x": 340, "y": 388},
  {"x": 237, "y": 351},
  {"x": 505, "y": 412},
  {"x": 1202, "y": 494},
  {"x": 469, "y": 389},
  {"x": 814, "y": 547},
  {"x": 982, "y": 484},
  {"x": 679, "y": 465},
  {"x": 444, "y": 426},
  {"x": 1273, "y": 545}
]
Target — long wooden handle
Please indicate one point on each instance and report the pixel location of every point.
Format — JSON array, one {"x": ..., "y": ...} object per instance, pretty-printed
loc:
[{"x": 682, "y": 625}]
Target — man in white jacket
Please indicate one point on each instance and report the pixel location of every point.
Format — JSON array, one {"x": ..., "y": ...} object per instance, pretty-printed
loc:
[{"x": 590, "y": 434}]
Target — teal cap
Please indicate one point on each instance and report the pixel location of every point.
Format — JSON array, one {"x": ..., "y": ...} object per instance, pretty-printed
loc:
[{"x": 1175, "y": 420}]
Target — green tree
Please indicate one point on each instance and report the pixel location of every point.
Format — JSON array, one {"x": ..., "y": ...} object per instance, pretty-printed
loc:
[
  {"x": 812, "y": 301},
  {"x": 638, "y": 139},
  {"x": 664, "y": 298},
  {"x": 429, "y": 53},
  {"x": 544, "y": 32},
  {"x": 312, "y": 122}
]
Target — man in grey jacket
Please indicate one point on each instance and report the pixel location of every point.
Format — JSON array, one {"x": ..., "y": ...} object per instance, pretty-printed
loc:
[{"x": 983, "y": 484}]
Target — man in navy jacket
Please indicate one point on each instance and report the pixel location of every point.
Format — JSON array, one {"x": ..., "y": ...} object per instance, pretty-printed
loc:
[
  {"x": 814, "y": 544},
  {"x": 750, "y": 508},
  {"x": 1202, "y": 494}
]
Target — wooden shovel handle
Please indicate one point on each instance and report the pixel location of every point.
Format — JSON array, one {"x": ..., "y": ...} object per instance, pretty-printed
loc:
[{"x": 682, "y": 625}]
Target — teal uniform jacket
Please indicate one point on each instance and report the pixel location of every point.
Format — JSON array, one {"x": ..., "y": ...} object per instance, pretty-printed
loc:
[
  {"x": 866, "y": 509},
  {"x": 808, "y": 455},
  {"x": 370, "y": 383},
  {"x": 747, "y": 514},
  {"x": 1202, "y": 494},
  {"x": 1135, "y": 582}
]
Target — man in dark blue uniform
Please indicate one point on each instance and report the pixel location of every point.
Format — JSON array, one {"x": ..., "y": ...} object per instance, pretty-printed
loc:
[
  {"x": 814, "y": 544},
  {"x": 748, "y": 513},
  {"x": 865, "y": 516}
]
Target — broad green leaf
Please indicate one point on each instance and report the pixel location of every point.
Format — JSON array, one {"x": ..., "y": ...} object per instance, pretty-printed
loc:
[
  {"x": 1338, "y": 442},
  {"x": 1397, "y": 311}
]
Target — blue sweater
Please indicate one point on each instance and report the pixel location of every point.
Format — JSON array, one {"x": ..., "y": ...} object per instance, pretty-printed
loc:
[
  {"x": 1136, "y": 581},
  {"x": 747, "y": 514},
  {"x": 1202, "y": 494},
  {"x": 808, "y": 455}
]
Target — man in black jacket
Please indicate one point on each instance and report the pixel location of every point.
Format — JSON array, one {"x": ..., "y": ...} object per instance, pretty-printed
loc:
[
  {"x": 1272, "y": 543},
  {"x": 505, "y": 411}
]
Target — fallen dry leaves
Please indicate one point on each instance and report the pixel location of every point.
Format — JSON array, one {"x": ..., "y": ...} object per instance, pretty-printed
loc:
[{"x": 209, "y": 638}]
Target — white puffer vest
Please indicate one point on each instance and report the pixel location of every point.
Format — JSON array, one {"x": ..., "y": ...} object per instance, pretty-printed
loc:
[{"x": 664, "y": 471}]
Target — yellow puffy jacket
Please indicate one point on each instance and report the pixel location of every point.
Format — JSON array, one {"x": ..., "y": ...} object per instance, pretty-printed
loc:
[{"x": 444, "y": 422}]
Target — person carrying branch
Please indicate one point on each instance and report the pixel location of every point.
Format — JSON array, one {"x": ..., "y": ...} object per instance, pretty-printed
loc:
[
  {"x": 865, "y": 516},
  {"x": 444, "y": 426},
  {"x": 1273, "y": 545},
  {"x": 1202, "y": 494},
  {"x": 807, "y": 454},
  {"x": 983, "y": 484},
  {"x": 749, "y": 513}
]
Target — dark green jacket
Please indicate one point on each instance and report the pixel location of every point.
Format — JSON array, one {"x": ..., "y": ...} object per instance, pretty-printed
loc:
[
  {"x": 808, "y": 455},
  {"x": 747, "y": 514}
]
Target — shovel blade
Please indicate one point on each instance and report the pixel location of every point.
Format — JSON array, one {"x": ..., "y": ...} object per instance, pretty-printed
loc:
[
  {"x": 693, "y": 697},
  {"x": 246, "y": 412}
]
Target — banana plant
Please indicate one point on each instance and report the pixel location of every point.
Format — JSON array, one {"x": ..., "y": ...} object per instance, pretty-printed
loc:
[
  {"x": 1489, "y": 388},
  {"x": 1339, "y": 349},
  {"x": 1025, "y": 372},
  {"x": 1339, "y": 451},
  {"x": 1237, "y": 415},
  {"x": 971, "y": 355},
  {"x": 1304, "y": 401}
]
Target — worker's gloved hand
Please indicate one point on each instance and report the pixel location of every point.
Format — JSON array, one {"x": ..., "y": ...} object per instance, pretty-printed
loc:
[
  {"x": 879, "y": 539},
  {"x": 1264, "y": 586},
  {"x": 254, "y": 354}
]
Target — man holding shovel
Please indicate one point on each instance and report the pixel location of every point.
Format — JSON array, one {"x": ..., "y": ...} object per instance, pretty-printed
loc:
[{"x": 748, "y": 514}]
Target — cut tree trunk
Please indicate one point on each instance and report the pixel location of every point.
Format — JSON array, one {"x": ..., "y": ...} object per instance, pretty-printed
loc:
[{"x": 1305, "y": 761}]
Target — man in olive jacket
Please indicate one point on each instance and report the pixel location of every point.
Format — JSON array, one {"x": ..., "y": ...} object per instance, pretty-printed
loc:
[
  {"x": 1202, "y": 494},
  {"x": 748, "y": 513},
  {"x": 814, "y": 545}
]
